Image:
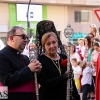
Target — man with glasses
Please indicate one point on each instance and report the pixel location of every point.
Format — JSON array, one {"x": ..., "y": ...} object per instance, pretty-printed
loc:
[{"x": 16, "y": 71}]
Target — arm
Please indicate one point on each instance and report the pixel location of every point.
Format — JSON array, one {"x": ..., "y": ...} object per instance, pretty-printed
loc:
[
  {"x": 11, "y": 77},
  {"x": 90, "y": 70}
]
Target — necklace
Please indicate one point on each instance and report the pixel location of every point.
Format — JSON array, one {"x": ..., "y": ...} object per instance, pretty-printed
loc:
[{"x": 56, "y": 63}]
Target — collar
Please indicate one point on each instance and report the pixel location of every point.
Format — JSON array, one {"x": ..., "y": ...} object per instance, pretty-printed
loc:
[{"x": 11, "y": 49}]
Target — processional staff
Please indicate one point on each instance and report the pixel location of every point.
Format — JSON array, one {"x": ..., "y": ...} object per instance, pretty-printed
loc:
[{"x": 68, "y": 32}]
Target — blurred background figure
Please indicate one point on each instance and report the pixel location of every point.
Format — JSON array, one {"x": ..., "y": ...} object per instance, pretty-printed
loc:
[
  {"x": 86, "y": 80},
  {"x": 95, "y": 53},
  {"x": 93, "y": 29},
  {"x": 73, "y": 53},
  {"x": 87, "y": 48},
  {"x": 1, "y": 45},
  {"x": 96, "y": 40},
  {"x": 77, "y": 71},
  {"x": 65, "y": 47},
  {"x": 31, "y": 46},
  {"x": 92, "y": 37},
  {"x": 79, "y": 48}
]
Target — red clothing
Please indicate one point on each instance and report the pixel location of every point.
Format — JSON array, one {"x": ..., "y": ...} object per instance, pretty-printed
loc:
[{"x": 98, "y": 79}]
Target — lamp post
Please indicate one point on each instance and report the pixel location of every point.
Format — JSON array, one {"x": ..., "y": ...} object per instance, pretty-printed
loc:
[{"x": 68, "y": 32}]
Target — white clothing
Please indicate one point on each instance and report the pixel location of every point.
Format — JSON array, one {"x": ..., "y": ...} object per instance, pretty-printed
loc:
[
  {"x": 1, "y": 45},
  {"x": 76, "y": 71},
  {"x": 94, "y": 56},
  {"x": 75, "y": 55},
  {"x": 87, "y": 75},
  {"x": 83, "y": 50}
]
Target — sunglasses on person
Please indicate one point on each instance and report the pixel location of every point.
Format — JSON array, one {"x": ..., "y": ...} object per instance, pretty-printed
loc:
[{"x": 22, "y": 36}]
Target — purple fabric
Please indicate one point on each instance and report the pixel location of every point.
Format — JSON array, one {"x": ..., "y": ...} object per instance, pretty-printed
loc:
[{"x": 27, "y": 87}]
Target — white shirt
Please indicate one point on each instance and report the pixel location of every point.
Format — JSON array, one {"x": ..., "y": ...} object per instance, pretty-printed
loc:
[
  {"x": 76, "y": 71},
  {"x": 87, "y": 75},
  {"x": 75, "y": 55}
]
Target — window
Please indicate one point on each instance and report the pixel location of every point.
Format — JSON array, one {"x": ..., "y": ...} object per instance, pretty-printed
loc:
[{"x": 82, "y": 16}]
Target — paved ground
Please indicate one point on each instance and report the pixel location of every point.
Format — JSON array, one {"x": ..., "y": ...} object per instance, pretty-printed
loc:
[{"x": 87, "y": 99}]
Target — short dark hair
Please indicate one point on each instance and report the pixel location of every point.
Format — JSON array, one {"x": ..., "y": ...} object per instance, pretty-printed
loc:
[
  {"x": 12, "y": 31},
  {"x": 74, "y": 59},
  {"x": 96, "y": 39},
  {"x": 96, "y": 44}
]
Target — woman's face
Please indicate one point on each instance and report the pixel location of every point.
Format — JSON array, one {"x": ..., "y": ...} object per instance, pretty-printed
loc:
[
  {"x": 72, "y": 49},
  {"x": 51, "y": 45},
  {"x": 91, "y": 29},
  {"x": 85, "y": 41},
  {"x": 92, "y": 38}
]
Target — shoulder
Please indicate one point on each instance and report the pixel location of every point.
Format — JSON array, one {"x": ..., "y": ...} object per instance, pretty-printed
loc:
[
  {"x": 42, "y": 57},
  {"x": 3, "y": 51}
]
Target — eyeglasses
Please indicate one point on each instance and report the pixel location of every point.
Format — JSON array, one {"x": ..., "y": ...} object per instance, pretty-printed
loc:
[{"x": 22, "y": 36}]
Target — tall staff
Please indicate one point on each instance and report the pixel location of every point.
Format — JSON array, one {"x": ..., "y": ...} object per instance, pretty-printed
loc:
[
  {"x": 34, "y": 53},
  {"x": 68, "y": 32}
]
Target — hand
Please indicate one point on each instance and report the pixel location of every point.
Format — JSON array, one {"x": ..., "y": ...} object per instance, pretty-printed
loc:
[
  {"x": 35, "y": 66},
  {"x": 68, "y": 73}
]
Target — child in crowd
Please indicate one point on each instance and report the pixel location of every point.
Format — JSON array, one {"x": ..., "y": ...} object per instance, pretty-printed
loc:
[
  {"x": 77, "y": 72},
  {"x": 86, "y": 80}
]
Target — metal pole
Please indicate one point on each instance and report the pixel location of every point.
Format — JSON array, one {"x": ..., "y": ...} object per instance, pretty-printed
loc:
[
  {"x": 28, "y": 22},
  {"x": 31, "y": 54},
  {"x": 68, "y": 32}
]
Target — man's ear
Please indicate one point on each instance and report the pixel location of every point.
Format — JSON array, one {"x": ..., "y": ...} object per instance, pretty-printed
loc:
[{"x": 11, "y": 38}]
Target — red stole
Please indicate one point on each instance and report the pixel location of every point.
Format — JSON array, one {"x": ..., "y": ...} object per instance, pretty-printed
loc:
[{"x": 97, "y": 92}]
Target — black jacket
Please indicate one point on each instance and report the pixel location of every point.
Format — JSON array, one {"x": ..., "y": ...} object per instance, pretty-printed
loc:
[
  {"x": 14, "y": 70},
  {"x": 53, "y": 85}
]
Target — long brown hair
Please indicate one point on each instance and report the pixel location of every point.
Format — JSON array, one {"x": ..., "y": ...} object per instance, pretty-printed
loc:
[{"x": 89, "y": 41}]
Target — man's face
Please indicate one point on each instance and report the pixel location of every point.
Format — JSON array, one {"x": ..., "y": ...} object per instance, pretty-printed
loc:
[{"x": 20, "y": 40}]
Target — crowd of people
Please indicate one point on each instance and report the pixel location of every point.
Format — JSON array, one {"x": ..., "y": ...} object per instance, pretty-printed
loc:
[
  {"x": 17, "y": 71},
  {"x": 83, "y": 58}
]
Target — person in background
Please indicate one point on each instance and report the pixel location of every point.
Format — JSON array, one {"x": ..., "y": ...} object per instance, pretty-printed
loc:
[
  {"x": 88, "y": 49},
  {"x": 31, "y": 46},
  {"x": 93, "y": 30},
  {"x": 65, "y": 47},
  {"x": 77, "y": 73},
  {"x": 96, "y": 40},
  {"x": 74, "y": 54},
  {"x": 1, "y": 45},
  {"x": 54, "y": 72},
  {"x": 94, "y": 58},
  {"x": 92, "y": 37},
  {"x": 86, "y": 80},
  {"x": 80, "y": 47},
  {"x": 16, "y": 71},
  {"x": 95, "y": 53}
]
